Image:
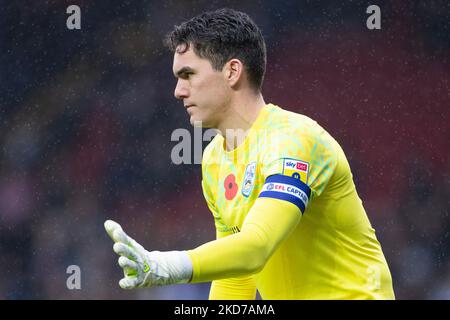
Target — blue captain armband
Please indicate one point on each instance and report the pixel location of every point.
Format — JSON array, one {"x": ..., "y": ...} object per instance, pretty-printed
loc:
[{"x": 287, "y": 188}]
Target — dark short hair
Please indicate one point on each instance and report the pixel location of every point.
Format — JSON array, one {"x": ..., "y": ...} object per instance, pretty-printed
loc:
[{"x": 220, "y": 36}]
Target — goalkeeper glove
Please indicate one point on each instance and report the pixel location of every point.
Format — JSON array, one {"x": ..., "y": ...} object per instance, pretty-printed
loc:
[{"x": 142, "y": 268}]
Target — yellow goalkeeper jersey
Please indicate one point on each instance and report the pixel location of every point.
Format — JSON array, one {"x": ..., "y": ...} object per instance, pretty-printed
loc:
[{"x": 333, "y": 253}]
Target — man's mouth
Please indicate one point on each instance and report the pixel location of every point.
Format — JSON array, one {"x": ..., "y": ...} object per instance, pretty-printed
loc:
[{"x": 189, "y": 108}]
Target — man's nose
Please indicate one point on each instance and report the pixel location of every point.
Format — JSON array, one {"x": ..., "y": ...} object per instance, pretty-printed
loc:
[{"x": 181, "y": 91}]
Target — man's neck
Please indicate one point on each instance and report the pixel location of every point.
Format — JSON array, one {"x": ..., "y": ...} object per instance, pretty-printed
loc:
[{"x": 240, "y": 117}]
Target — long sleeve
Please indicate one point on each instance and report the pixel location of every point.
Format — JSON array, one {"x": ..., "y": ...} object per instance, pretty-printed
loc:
[{"x": 268, "y": 222}]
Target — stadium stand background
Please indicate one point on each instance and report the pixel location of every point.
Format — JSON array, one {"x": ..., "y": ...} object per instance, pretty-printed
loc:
[{"x": 86, "y": 118}]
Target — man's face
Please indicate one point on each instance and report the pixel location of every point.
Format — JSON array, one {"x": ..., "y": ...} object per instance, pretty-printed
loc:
[{"x": 204, "y": 91}]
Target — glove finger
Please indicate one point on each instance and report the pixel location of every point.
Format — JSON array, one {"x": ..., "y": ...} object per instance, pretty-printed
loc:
[
  {"x": 117, "y": 234},
  {"x": 120, "y": 236},
  {"x": 128, "y": 283},
  {"x": 115, "y": 231},
  {"x": 135, "y": 244},
  {"x": 126, "y": 263},
  {"x": 126, "y": 251}
]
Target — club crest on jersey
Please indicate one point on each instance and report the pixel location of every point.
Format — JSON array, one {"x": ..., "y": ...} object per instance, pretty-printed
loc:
[
  {"x": 296, "y": 168},
  {"x": 249, "y": 179}
]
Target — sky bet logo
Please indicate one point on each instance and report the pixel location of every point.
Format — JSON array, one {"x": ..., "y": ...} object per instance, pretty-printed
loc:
[
  {"x": 297, "y": 165},
  {"x": 296, "y": 168}
]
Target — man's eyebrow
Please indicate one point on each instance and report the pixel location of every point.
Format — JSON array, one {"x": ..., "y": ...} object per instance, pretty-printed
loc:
[{"x": 183, "y": 70}]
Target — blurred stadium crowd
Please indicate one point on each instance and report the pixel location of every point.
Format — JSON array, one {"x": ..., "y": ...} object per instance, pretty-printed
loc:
[{"x": 86, "y": 118}]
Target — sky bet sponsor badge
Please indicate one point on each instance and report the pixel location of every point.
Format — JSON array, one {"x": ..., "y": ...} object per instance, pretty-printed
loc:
[
  {"x": 249, "y": 179},
  {"x": 296, "y": 168}
]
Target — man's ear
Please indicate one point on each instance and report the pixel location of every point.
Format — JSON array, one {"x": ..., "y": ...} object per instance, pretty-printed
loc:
[{"x": 234, "y": 72}]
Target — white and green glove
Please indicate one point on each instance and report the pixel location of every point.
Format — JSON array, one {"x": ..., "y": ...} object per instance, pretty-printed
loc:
[{"x": 146, "y": 269}]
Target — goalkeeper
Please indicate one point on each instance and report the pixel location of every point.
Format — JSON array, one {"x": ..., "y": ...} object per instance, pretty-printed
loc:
[{"x": 289, "y": 221}]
